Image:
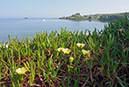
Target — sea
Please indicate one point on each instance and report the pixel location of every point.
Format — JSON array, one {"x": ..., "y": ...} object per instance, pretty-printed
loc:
[{"x": 28, "y": 27}]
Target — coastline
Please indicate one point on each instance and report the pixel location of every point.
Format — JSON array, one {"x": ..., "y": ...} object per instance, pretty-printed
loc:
[{"x": 96, "y": 17}]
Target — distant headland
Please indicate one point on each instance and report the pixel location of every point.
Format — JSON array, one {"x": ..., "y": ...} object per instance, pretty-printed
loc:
[{"x": 97, "y": 17}]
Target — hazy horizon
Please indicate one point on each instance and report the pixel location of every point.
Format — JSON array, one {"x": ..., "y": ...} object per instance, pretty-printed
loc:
[{"x": 58, "y": 8}]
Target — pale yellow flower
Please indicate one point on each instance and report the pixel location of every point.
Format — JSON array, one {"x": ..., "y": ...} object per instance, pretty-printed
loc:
[
  {"x": 80, "y": 45},
  {"x": 91, "y": 42},
  {"x": 21, "y": 70},
  {"x": 87, "y": 34},
  {"x": 71, "y": 59},
  {"x": 100, "y": 35},
  {"x": 66, "y": 50},
  {"x": 85, "y": 52},
  {"x": 4, "y": 45},
  {"x": 60, "y": 49},
  {"x": 120, "y": 29}
]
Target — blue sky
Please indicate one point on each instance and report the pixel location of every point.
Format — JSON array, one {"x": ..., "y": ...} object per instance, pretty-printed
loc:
[{"x": 59, "y": 8}]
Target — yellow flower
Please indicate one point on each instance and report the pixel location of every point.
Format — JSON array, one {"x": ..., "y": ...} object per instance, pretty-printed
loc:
[
  {"x": 85, "y": 52},
  {"x": 100, "y": 35},
  {"x": 60, "y": 49},
  {"x": 80, "y": 45},
  {"x": 87, "y": 34},
  {"x": 66, "y": 50},
  {"x": 21, "y": 70},
  {"x": 120, "y": 30},
  {"x": 4, "y": 45},
  {"x": 71, "y": 59},
  {"x": 91, "y": 42}
]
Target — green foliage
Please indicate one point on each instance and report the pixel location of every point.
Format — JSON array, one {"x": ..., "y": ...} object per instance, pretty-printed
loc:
[
  {"x": 89, "y": 17},
  {"x": 105, "y": 64},
  {"x": 99, "y": 17}
]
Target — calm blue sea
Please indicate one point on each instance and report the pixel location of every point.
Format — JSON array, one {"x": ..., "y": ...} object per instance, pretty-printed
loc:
[{"x": 28, "y": 27}]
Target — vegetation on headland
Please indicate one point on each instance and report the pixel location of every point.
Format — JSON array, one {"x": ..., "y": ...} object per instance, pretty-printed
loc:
[
  {"x": 68, "y": 59},
  {"x": 99, "y": 17}
]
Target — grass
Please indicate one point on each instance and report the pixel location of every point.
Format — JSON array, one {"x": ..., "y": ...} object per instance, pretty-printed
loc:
[{"x": 68, "y": 59}]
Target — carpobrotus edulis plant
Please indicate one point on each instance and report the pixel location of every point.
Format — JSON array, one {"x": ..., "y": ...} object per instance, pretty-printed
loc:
[{"x": 68, "y": 59}]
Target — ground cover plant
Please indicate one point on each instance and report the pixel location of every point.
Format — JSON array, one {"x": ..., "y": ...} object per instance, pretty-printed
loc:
[{"x": 68, "y": 59}]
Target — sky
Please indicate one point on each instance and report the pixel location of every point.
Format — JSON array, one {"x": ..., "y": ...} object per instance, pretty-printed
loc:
[{"x": 59, "y": 8}]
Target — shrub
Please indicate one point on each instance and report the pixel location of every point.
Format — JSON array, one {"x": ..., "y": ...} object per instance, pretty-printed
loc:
[{"x": 45, "y": 63}]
